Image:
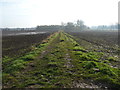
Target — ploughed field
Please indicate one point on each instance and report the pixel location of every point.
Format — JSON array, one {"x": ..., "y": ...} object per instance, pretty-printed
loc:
[
  {"x": 17, "y": 45},
  {"x": 64, "y": 60},
  {"x": 99, "y": 41}
]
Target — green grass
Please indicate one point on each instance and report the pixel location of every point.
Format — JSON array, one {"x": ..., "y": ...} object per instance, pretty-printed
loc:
[
  {"x": 112, "y": 59},
  {"x": 63, "y": 62}
]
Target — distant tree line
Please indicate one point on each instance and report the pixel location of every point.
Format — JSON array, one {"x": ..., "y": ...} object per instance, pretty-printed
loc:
[
  {"x": 107, "y": 27},
  {"x": 77, "y": 26},
  {"x": 69, "y": 26},
  {"x": 49, "y": 28}
]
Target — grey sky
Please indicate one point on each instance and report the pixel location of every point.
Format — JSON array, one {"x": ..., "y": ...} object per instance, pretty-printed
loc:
[{"x": 30, "y": 13}]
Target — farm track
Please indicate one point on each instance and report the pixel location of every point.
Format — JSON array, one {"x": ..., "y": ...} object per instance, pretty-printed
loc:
[
  {"x": 55, "y": 66},
  {"x": 67, "y": 59}
]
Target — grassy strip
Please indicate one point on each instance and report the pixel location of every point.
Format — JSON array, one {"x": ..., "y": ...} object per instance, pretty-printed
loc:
[
  {"x": 90, "y": 66},
  {"x": 10, "y": 65}
]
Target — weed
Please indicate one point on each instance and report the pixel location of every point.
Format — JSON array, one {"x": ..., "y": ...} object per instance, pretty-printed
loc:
[
  {"x": 6, "y": 59},
  {"x": 52, "y": 64},
  {"x": 105, "y": 61},
  {"x": 90, "y": 64},
  {"x": 107, "y": 71},
  {"x": 78, "y": 53},
  {"x": 111, "y": 59},
  {"x": 88, "y": 57},
  {"x": 78, "y": 48},
  {"x": 17, "y": 65},
  {"x": 28, "y": 57},
  {"x": 111, "y": 83}
]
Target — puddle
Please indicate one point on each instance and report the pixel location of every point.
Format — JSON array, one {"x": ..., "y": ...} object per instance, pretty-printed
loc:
[{"x": 25, "y": 33}]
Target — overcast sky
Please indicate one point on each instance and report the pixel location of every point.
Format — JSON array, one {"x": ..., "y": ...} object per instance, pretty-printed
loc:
[{"x": 30, "y": 13}]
